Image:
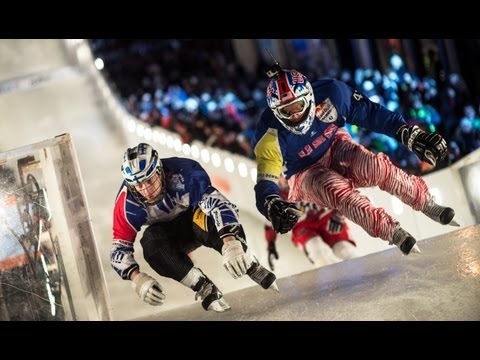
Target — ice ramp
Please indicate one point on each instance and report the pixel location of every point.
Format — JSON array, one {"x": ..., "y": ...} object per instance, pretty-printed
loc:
[{"x": 442, "y": 283}]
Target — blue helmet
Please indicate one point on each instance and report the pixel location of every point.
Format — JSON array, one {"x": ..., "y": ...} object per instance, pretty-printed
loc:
[
  {"x": 140, "y": 164},
  {"x": 288, "y": 88}
]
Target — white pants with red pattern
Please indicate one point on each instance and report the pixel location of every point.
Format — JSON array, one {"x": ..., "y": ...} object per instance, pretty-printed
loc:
[{"x": 333, "y": 181}]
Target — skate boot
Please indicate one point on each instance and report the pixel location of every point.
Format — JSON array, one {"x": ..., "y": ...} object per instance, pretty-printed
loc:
[
  {"x": 212, "y": 298},
  {"x": 404, "y": 241},
  {"x": 262, "y": 276},
  {"x": 441, "y": 214}
]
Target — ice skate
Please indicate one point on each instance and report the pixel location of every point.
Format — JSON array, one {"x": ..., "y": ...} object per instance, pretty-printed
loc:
[
  {"x": 212, "y": 298},
  {"x": 441, "y": 214},
  {"x": 404, "y": 241},
  {"x": 263, "y": 277}
]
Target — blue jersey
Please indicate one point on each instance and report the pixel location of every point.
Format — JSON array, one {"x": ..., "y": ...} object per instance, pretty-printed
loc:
[
  {"x": 187, "y": 185},
  {"x": 278, "y": 150}
]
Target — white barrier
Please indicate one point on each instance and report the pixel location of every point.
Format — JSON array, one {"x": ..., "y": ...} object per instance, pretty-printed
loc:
[{"x": 56, "y": 234}]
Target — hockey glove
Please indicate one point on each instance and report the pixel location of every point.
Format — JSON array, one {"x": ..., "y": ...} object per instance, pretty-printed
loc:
[
  {"x": 235, "y": 260},
  {"x": 282, "y": 214},
  {"x": 148, "y": 289},
  {"x": 335, "y": 223},
  {"x": 272, "y": 254},
  {"x": 427, "y": 146}
]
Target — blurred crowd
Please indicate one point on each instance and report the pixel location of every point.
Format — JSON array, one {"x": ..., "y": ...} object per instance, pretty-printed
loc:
[{"x": 202, "y": 93}]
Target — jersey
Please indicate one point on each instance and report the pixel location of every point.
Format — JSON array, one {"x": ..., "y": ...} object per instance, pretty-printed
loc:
[
  {"x": 278, "y": 150},
  {"x": 187, "y": 185}
]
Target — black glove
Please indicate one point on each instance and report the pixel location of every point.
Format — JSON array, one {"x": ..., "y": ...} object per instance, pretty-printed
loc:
[
  {"x": 282, "y": 214},
  {"x": 335, "y": 223},
  {"x": 427, "y": 146},
  {"x": 272, "y": 254}
]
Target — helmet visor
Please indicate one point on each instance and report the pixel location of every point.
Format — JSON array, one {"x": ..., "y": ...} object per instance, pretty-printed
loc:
[{"x": 293, "y": 110}]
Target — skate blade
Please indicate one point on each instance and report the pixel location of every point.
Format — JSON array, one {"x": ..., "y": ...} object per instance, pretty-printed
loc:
[
  {"x": 454, "y": 223},
  {"x": 415, "y": 250},
  {"x": 274, "y": 287},
  {"x": 219, "y": 306}
]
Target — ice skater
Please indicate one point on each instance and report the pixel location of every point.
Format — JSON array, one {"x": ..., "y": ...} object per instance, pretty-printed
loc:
[{"x": 301, "y": 135}]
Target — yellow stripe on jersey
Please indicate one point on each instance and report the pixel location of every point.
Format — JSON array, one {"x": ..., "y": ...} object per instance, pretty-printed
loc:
[
  {"x": 269, "y": 157},
  {"x": 200, "y": 219}
]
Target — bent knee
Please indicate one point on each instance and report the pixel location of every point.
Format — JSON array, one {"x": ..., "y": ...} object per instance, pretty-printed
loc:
[{"x": 335, "y": 190}]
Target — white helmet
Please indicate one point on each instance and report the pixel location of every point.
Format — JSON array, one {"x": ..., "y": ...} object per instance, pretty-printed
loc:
[
  {"x": 140, "y": 164},
  {"x": 287, "y": 88}
]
